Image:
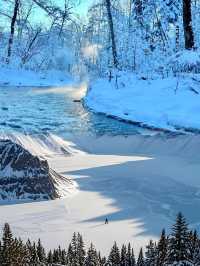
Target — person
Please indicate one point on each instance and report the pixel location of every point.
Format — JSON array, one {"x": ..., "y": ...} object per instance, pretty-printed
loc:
[{"x": 106, "y": 221}]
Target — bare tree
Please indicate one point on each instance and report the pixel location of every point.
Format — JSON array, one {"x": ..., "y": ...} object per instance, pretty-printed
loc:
[
  {"x": 187, "y": 24},
  {"x": 12, "y": 30},
  {"x": 112, "y": 34}
]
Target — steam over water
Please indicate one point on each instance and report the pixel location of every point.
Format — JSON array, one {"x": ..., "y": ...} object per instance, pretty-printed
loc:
[{"x": 53, "y": 110}]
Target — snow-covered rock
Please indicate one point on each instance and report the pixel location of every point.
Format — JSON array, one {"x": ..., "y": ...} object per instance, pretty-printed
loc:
[{"x": 25, "y": 176}]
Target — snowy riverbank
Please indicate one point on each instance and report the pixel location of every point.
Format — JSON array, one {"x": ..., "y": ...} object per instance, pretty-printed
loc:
[
  {"x": 20, "y": 77},
  {"x": 171, "y": 104}
]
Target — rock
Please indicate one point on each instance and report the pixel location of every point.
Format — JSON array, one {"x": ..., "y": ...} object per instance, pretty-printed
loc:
[
  {"x": 76, "y": 101},
  {"x": 25, "y": 176}
]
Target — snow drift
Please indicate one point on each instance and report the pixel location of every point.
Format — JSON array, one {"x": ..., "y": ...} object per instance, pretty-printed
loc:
[{"x": 171, "y": 103}]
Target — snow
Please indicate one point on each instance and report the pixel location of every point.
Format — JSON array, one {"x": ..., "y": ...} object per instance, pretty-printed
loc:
[
  {"x": 13, "y": 76},
  {"x": 137, "y": 182},
  {"x": 170, "y": 103}
]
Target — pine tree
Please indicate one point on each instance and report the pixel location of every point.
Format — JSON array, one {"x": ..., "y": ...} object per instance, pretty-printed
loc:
[
  {"x": 92, "y": 258},
  {"x": 123, "y": 256},
  {"x": 7, "y": 246},
  {"x": 193, "y": 242},
  {"x": 130, "y": 256},
  {"x": 63, "y": 257},
  {"x": 22, "y": 253},
  {"x": 70, "y": 255},
  {"x": 41, "y": 252},
  {"x": 133, "y": 262},
  {"x": 56, "y": 258},
  {"x": 80, "y": 250},
  {"x": 50, "y": 257},
  {"x": 150, "y": 254},
  {"x": 162, "y": 249},
  {"x": 140, "y": 261},
  {"x": 178, "y": 249},
  {"x": 34, "y": 260},
  {"x": 114, "y": 256},
  {"x": 196, "y": 254},
  {"x": 102, "y": 260}
]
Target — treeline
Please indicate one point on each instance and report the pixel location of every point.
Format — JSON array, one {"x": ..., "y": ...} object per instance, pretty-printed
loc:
[{"x": 180, "y": 247}]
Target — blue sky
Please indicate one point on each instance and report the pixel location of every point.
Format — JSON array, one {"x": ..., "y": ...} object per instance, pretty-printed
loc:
[{"x": 83, "y": 7}]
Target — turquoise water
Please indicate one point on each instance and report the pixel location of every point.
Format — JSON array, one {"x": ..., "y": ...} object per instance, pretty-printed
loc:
[{"x": 42, "y": 110}]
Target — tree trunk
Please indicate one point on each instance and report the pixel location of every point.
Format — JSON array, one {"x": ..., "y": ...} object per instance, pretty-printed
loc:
[
  {"x": 139, "y": 8},
  {"x": 12, "y": 30},
  {"x": 112, "y": 34},
  {"x": 187, "y": 24}
]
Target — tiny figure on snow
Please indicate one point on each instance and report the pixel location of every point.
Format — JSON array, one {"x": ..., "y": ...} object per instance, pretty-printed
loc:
[{"x": 106, "y": 221}]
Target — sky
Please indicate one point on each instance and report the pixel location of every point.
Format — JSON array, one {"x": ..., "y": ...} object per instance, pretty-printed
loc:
[
  {"x": 83, "y": 7},
  {"x": 40, "y": 16}
]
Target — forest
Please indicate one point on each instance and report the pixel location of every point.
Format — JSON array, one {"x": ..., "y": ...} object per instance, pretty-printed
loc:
[
  {"x": 181, "y": 247},
  {"x": 147, "y": 37}
]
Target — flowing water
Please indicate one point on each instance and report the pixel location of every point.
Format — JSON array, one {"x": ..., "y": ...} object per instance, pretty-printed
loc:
[{"x": 53, "y": 110}]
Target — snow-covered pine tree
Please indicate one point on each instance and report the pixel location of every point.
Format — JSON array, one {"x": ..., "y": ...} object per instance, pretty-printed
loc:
[
  {"x": 8, "y": 254},
  {"x": 41, "y": 252},
  {"x": 70, "y": 255},
  {"x": 50, "y": 257},
  {"x": 196, "y": 254},
  {"x": 130, "y": 256},
  {"x": 34, "y": 260},
  {"x": 140, "y": 260},
  {"x": 162, "y": 249},
  {"x": 150, "y": 254},
  {"x": 56, "y": 258},
  {"x": 114, "y": 256},
  {"x": 178, "y": 248},
  {"x": 63, "y": 257},
  {"x": 92, "y": 258},
  {"x": 123, "y": 256},
  {"x": 80, "y": 250},
  {"x": 193, "y": 239}
]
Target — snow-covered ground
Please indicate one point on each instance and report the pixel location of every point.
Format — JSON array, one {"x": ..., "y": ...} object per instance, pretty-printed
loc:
[
  {"x": 170, "y": 103},
  {"x": 137, "y": 182},
  {"x": 20, "y": 77}
]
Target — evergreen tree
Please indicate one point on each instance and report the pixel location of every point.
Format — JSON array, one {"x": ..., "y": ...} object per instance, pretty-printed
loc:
[
  {"x": 80, "y": 250},
  {"x": 162, "y": 249},
  {"x": 70, "y": 255},
  {"x": 150, "y": 254},
  {"x": 130, "y": 256},
  {"x": 22, "y": 253},
  {"x": 50, "y": 257},
  {"x": 41, "y": 252},
  {"x": 140, "y": 261},
  {"x": 114, "y": 256},
  {"x": 63, "y": 257},
  {"x": 7, "y": 246},
  {"x": 92, "y": 258},
  {"x": 133, "y": 262},
  {"x": 56, "y": 258},
  {"x": 102, "y": 260},
  {"x": 123, "y": 256},
  {"x": 178, "y": 249},
  {"x": 193, "y": 242},
  {"x": 34, "y": 260},
  {"x": 196, "y": 254}
]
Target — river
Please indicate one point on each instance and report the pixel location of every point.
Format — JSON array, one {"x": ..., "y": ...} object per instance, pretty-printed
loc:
[{"x": 33, "y": 110}]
